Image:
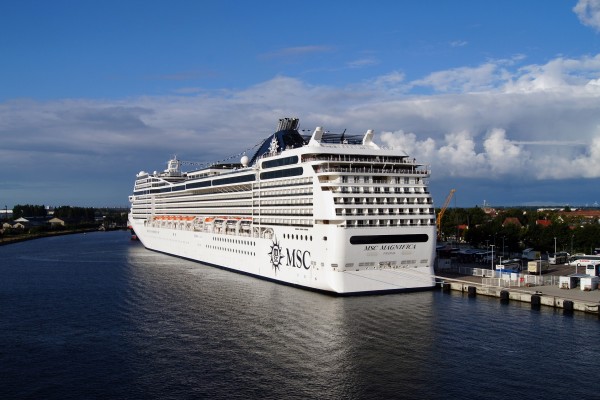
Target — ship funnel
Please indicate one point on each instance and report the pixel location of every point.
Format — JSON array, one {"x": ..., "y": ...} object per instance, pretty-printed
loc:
[{"x": 288, "y": 124}]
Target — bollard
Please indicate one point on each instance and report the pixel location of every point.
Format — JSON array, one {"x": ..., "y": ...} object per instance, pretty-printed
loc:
[
  {"x": 472, "y": 291},
  {"x": 567, "y": 307},
  {"x": 504, "y": 296},
  {"x": 536, "y": 301}
]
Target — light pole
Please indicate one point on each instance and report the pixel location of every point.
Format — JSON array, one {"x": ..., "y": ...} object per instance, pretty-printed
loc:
[
  {"x": 503, "y": 247},
  {"x": 492, "y": 246},
  {"x": 555, "y": 246},
  {"x": 572, "y": 236}
]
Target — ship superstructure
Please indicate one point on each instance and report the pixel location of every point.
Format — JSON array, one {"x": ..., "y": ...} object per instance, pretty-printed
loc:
[{"x": 335, "y": 213}]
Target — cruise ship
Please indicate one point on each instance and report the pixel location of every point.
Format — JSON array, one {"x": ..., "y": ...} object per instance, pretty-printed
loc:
[{"x": 335, "y": 213}]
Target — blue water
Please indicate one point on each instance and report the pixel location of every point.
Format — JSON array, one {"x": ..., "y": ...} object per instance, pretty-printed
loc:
[{"x": 97, "y": 316}]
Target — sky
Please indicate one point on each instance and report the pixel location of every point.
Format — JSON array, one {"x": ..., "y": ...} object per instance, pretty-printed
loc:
[{"x": 501, "y": 99}]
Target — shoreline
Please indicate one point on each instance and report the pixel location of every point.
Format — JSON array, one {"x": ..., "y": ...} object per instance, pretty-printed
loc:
[{"x": 33, "y": 236}]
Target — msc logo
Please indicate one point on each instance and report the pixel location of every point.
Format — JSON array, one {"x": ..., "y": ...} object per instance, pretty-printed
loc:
[
  {"x": 276, "y": 255},
  {"x": 295, "y": 258}
]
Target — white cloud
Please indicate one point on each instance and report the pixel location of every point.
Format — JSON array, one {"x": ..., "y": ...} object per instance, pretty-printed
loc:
[
  {"x": 464, "y": 79},
  {"x": 363, "y": 62},
  {"x": 503, "y": 155},
  {"x": 459, "y": 43},
  {"x": 588, "y": 12},
  {"x": 496, "y": 121},
  {"x": 559, "y": 74},
  {"x": 408, "y": 142},
  {"x": 458, "y": 156},
  {"x": 391, "y": 79}
]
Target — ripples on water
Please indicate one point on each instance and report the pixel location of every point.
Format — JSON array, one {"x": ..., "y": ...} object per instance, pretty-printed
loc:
[{"x": 98, "y": 316}]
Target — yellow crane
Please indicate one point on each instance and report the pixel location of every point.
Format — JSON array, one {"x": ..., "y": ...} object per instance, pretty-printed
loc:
[{"x": 442, "y": 211}]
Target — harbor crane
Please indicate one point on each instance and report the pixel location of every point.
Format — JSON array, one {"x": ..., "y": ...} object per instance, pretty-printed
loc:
[{"x": 442, "y": 211}]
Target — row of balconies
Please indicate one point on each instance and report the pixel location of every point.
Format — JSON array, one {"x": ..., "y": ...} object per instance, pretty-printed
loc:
[
  {"x": 378, "y": 180},
  {"x": 203, "y": 211},
  {"x": 187, "y": 196},
  {"x": 380, "y": 189},
  {"x": 280, "y": 211},
  {"x": 361, "y": 223},
  {"x": 382, "y": 200},
  {"x": 351, "y": 158},
  {"x": 284, "y": 221},
  {"x": 307, "y": 191},
  {"x": 284, "y": 182},
  {"x": 323, "y": 169},
  {"x": 384, "y": 211},
  {"x": 307, "y": 201},
  {"x": 198, "y": 205}
]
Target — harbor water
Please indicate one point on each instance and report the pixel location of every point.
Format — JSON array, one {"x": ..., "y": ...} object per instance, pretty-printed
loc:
[{"x": 97, "y": 316}]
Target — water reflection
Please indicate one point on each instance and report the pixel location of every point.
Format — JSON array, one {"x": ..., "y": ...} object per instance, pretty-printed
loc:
[
  {"x": 98, "y": 316},
  {"x": 249, "y": 334}
]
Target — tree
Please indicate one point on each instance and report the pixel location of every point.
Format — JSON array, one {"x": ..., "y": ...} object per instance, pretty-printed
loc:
[
  {"x": 79, "y": 214},
  {"x": 28, "y": 210}
]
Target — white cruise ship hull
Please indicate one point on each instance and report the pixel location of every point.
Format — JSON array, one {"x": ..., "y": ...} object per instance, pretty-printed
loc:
[{"x": 303, "y": 258}]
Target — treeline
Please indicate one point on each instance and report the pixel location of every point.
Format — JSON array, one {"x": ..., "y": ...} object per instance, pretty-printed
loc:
[
  {"x": 63, "y": 212},
  {"x": 75, "y": 213},
  {"x": 511, "y": 230},
  {"x": 29, "y": 210}
]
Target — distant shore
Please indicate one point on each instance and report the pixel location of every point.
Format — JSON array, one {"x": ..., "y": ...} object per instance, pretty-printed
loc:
[{"x": 32, "y": 236}]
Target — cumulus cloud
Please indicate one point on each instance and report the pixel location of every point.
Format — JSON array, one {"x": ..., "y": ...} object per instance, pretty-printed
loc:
[
  {"x": 498, "y": 121},
  {"x": 559, "y": 74},
  {"x": 459, "y": 157},
  {"x": 408, "y": 142},
  {"x": 502, "y": 155},
  {"x": 588, "y": 12}
]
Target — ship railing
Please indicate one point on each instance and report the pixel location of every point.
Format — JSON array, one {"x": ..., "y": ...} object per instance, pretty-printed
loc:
[
  {"x": 365, "y": 170},
  {"x": 393, "y": 160},
  {"x": 355, "y": 146}
]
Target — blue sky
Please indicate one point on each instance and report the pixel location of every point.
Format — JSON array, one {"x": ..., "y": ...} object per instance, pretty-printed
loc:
[{"x": 501, "y": 99}]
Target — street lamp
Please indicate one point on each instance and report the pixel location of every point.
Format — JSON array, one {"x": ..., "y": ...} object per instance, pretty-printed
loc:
[
  {"x": 492, "y": 246},
  {"x": 572, "y": 236}
]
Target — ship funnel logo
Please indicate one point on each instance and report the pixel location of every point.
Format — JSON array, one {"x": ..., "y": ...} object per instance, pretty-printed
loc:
[{"x": 276, "y": 255}]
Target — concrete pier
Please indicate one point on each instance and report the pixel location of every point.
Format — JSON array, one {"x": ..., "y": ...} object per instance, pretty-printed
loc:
[{"x": 569, "y": 300}]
